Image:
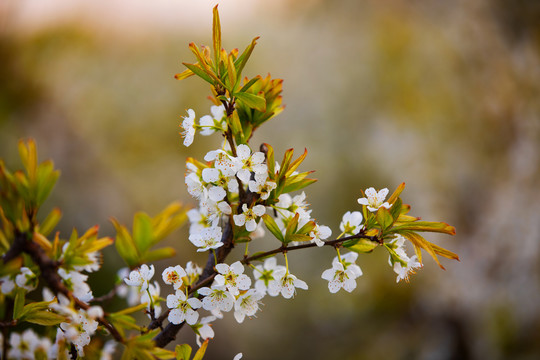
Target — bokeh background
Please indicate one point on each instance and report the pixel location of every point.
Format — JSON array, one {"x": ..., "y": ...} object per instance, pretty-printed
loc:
[{"x": 443, "y": 95}]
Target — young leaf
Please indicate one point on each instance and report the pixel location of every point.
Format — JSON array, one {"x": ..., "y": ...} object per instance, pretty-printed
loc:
[
  {"x": 384, "y": 218},
  {"x": 142, "y": 231},
  {"x": 396, "y": 193},
  {"x": 183, "y": 352},
  {"x": 200, "y": 353},
  {"x": 216, "y": 33},
  {"x": 43, "y": 317},
  {"x": 273, "y": 227},
  {"x": 256, "y": 102}
]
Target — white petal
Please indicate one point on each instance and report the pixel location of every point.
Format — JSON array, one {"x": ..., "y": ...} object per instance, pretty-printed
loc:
[
  {"x": 210, "y": 175},
  {"x": 243, "y": 151},
  {"x": 222, "y": 268},
  {"x": 237, "y": 267},
  {"x": 251, "y": 225},
  {"x": 259, "y": 210},
  {"x": 239, "y": 220}
]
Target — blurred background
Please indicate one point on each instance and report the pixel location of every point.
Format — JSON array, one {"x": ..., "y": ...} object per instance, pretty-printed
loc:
[{"x": 441, "y": 95}]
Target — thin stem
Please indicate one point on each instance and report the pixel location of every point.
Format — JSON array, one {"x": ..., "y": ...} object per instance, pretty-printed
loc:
[{"x": 305, "y": 246}]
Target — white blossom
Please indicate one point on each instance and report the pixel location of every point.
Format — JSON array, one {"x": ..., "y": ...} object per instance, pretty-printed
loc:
[
  {"x": 374, "y": 200},
  {"x": 141, "y": 277},
  {"x": 265, "y": 274},
  {"x": 173, "y": 276},
  {"x": 188, "y": 127},
  {"x": 216, "y": 298},
  {"x": 247, "y": 304},
  {"x": 319, "y": 233},
  {"x": 7, "y": 284},
  {"x": 232, "y": 277},
  {"x": 26, "y": 279},
  {"x": 342, "y": 276},
  {"x": 351, "y": 223},
  {"x": 76, "y": 282},
  {"x": 210, "y": 124},
  {"x": 195, "y": 187},
  {"x": 250, "y": 163},
  {"x": 182, "y": 308},
  {"x": 204, "y": 329},
  {"x": 23, "y": 346},
  {"x": 286, "y": 284},
  {"x": 207, "y": 238},
  {"x": 248, "y": 216},
  {"x": 403, "y": 272},
  {"x": 262, "y": 185}
]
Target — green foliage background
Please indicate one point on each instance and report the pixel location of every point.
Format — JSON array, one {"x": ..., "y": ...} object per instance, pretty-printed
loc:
[{"x": 441, "y": 95}]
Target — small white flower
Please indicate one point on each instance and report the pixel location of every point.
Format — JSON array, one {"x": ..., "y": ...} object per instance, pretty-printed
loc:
[
  {"x": 340, "y": 277},
  {"x": 182, "y": 308},
  {"x": 26, "y": 279},
  {"x": 319, "y": 233},
  {"x": 265, "y": 275},
  {"x": 248, "y": 216},
  {"x": 232, "y": 277},
  {"x": 286, "y": 284},
  {"x": 238, "y": 356},
  {"x": 227, "y": 164},
  {"x": 76, "y": 282},
  {"x": 404, "y": 272},
  {"x": 195, "y": 187},
  {"x": 173, "y": 276},
  {"x": 22, "y": 346},
  {"x": 193, "y": 269},
  {"x": 188, "y": 127},
  {"x": 107, "y": 353},
  {"x": 374, "y": 200},
  {"x": 247, "y": 305},
  {"x": 250, "y": 163},
  {"x": 210, "y": 124},
  {"x": 7, "y": 285},
  {"x": 141, "y": 277},
  {"x": 216, "y": 298},
  {"x": 351, "y": 223},
  {"x": 261, "y": 185},
  {"x": 204, "y": 329},
  {"x": 207, "y": 238}
]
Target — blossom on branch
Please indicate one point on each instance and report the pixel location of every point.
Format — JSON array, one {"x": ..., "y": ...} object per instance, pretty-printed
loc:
[
  {"x": 182, "y": 308},
  {"x": 232, "y": 277},
  {"x": 374, "y": 200}
]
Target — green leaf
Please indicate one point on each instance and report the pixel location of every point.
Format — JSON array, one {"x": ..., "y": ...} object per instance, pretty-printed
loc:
[
  {"x": 297, "y": 237},
  {"x": 216, "y": 33},
  {"x": 294, "y": 165},
  {"x": 361, "y": 246},
  {"x": 18, "y": 304},
  {"x": 158, "y": 254},
  {"x": 231, "y": 72},
  {"x": 243, "y": 58},
  {"x": 196, "y": 69},
  {"x": 396, "y": 193},
  {"x": 384, "y": 218},
  {"x": 124, "y": 245},
  {"x": 429, "y": 226},
  {"x": 50, "y": 222},
  {"x": 273, "y": 227},
  {"x": 420, "y": 243},
  {"x": 200, "y": 353},
  {"x": 142, "y": 232},
  {"x": 297, "y": 185},
  {"x": 253, "y": 101},
  {"x": 249, "y": 84},
  {"x": 270, "y": 162},
  {"x": 183, "y": 352},
  {"x": 184, "y": 74},
  {"x": 395, "y": 210},
  {"x": 162, "y": 353},
  {"x": 291, "y": 228},
  {"x": 43, "y": 317}
]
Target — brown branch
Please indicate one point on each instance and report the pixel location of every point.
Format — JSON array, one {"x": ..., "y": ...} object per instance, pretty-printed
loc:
[
  {"x": 283, "y": 248},
  {"x": 49, "y": 273}
]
